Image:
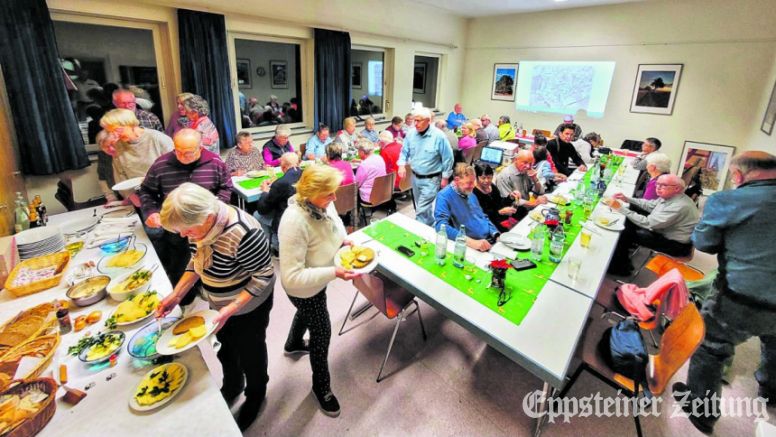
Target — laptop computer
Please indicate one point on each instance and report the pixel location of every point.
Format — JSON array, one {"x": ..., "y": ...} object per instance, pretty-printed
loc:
[{"x": 491, "y": 156}]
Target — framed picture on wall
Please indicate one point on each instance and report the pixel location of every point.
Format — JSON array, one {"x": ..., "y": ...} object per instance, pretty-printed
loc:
[
  {"x": 655, "y": 89},
  {"x": 355, "y": 75},
  {"x": 244, "y": 73},
  {"x": 278, "y": 73},
  {"x": 709, "y": 162},
  {"x": 419, "y": 78},
  {"x": 504, "y": 81},
  {"x": 770, "y": 113}
]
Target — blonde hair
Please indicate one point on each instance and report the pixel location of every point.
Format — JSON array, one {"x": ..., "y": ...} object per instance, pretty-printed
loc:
[
  {"x": 182, "y": 97},
  {"x": 188, "y": 205},
  {"x": 317, "y": 180},
  {"x": 463, "y": 170},
  {"x": 472, "y": 129},
  {"x": 350, "y": 121},
  {"x": 119, "y": 117}
]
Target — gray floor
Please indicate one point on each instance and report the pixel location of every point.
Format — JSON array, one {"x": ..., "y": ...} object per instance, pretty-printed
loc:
[{"x": 453, "y": 384}]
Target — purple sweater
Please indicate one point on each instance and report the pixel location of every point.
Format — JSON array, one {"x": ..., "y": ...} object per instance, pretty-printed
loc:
[{"x": 167, "y": 173}]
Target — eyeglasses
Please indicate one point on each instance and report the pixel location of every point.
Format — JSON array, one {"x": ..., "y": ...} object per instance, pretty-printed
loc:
[{"x": 665, "y": 185}]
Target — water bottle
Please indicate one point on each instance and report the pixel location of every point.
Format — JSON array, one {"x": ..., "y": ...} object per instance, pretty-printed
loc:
[
  {"x": 557, "y": 240},
  {"x": 22, "y": 219},
  {"x": 460, "y": 245},
  {"x": 537, "y": 243},
  {"x": 595, "y": 176},
  {"x": 441, "y": 245}
]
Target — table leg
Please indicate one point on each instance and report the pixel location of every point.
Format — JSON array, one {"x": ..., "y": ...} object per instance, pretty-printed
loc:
[
  {"x": 547, "y": 392},
  {"x": 241, "y": 203}
]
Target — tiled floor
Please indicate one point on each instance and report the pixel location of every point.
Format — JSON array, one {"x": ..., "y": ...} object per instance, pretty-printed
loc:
[{"x": 453, "y": 384}]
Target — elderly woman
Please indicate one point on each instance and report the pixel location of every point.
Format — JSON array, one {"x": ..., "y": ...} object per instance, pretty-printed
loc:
[
  {"x": 334, "y": 159},
  {"x": 230, "y": 255},
  {"x": 505, "y": 131},
  {"x": 197, "y": 111},
  {"x": 467, "y": 140},
  {"x": 244, "y": 157},
  {"x": 372, "y": 166},
  {"x": 178, "y": 120},
  {"x": 277, "y": 146},
  {"x": 586, "y": 145},
  {"x": 390, "y": 149},
  {"x": 658, "y": 164},
  {"x": 369, "y": 131},
  {"x": 498, "y": 209},
  {"x": 310, "y": 235},
  {"x": 348, "y": 137}
]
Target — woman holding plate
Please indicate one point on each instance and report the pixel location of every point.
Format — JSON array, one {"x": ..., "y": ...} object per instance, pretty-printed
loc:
[{"x": 230, "y": 254}]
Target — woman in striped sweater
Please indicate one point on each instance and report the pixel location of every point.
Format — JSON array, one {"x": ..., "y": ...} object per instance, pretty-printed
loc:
[{"x": 230, "y": 254}]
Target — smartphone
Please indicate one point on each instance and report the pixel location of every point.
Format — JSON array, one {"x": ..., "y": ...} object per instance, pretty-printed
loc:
[
  {"x": 523, "y": 264},
  {"x": 406, "y": 251}
]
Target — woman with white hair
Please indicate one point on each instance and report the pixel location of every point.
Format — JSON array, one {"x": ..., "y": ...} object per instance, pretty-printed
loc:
[
  {"x": 197, "y": 112},
  {"x": 347, "y": 137},
  {"x": 369, "y": 131},
  {"x": 230, "y": 255},
  {"x": 310, "y": 234},
  {"x": 658, "y": 164},
  {"x": 277, "y": 146},
  {"x": 390, "y": 149},
  {"x": 372, "y": 166},
  {"x": 178, "y": 120}
]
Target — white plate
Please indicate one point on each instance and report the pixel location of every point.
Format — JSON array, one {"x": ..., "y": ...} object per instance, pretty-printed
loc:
[
  {"x": 163, "y": 344},
  {"x": 619, "y": 225},
  {"x": 363, "y": 270},
  {"x": 137, "y": 407},
  {"x": 550, "y": 198},
  {"x": 129, "y": 184},
  {"x": 79, "y": 226},
  {"x": 38, "y": 235},
  {"x": 256, "y": 173},
  {"x": 515, "y": 241}
]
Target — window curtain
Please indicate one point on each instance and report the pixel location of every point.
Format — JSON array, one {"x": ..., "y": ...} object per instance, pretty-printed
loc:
[
  {"x": 332, "y": 77},
  {"x": 46, "y": 128},
  {"x": 205, "y": 68}
]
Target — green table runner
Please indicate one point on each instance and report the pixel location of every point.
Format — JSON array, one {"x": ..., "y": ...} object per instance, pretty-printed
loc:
[{"x": 250, "y": 184}]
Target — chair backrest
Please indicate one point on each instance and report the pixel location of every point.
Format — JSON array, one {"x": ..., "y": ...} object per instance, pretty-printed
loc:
[
  {"x": 468, "y": 155},
  {"x": 513, "y": 141},
  {"x": 478, "y": 150},
  {"x": 387, "y": 296},
  {"x": 678, "y": 343},
  {"x": 346, "y": 198},
  {"x": 632, "y": 145},
  {"x": 544, "y": 133},
  {"x": 405, "y": 184},
  {"x": 382, "y": 189}
]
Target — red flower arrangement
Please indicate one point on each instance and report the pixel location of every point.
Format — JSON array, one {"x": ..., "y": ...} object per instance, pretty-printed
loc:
[{"x": 500, "y": 264}]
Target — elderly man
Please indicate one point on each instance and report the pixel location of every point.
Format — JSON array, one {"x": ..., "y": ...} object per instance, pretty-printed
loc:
[
  {"x": 737, "y": 225},
  {"x": 456, "y": 205},
  {"x": 316, "y": 145},
  {"x": 428, "y": 153},
  {"x": 569, "y": 119},
  {"x": 479, "y": 130},
  {"x": 276, "y": 146},
  {"x": 650, "y": 145},
  {"x": 409, "y": 124},
  {"x": 189, "y": 162},
  {"x": 456, "y": 118},
  {"x": 562, "y": 151},
  {"x": 124, "y": 99},
  {"x": 520, "y": 181},
  {"x": 450, "y": 135},
  {"x": 490, "y": 129},
  {"x": 369, "y": 131},
  {"x": 668, "y": 227},
  {"x": 273, "y": 201}
]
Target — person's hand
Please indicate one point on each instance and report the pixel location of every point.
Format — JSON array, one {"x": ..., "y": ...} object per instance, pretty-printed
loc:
[
  {"x": 223, "y": 315},
  {"x": 239, "y": 172},
  {"x": 154, "y": 221},
  {"x": 444, "y": 182},
  {"x": 134, "y": 199},
  {"x": 166, "y": 305},
  {"x": 620, "y": 196},
  {"x": 508, "y": 210},
  {"x": 532, "y": 173},
  {"x": 402, "y": 172},
  {"x": 311, "y": 157},
  {"x": 347, "y": 243},
  {"x": 560, "y": 177},
  {"x": 347, "y": 275},
  {"x": 582, "y": 168},
  {"x": 541, "y": 200},
  {"x": 480, "y": 245},
  {"x": 515, "y": 195},
  {"x": 265, "y": 185}
]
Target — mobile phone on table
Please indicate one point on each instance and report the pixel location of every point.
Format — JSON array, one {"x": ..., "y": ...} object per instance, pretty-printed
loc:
[
  {"x": 406, "y": 251},
  {"x": 523, "y": 264}
]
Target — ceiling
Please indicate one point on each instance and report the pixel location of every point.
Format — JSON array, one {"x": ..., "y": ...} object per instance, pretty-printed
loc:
[{"x": 483, "y": 8}]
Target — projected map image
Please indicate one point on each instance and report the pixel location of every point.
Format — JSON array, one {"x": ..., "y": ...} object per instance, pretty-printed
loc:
[{"x": 561, "y": 87}]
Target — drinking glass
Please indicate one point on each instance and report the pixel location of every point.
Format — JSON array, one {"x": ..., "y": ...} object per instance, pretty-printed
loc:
[
  {"x": 573, "y": 265},
  {"x": 584, "y": 237}
]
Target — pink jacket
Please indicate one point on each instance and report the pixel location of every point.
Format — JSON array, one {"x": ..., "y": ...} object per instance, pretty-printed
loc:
[{"x": 670, "y": 289}]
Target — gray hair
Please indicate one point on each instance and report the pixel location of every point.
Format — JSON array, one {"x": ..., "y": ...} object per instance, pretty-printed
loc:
[
  {"x": 661, "y": 161},
  {"x": 386, "y": 137},
  {"x": 282, "y": 131},
  {"x": 186, "y": 206},
  {"x": 334, "y": 151},
  {"x": 424, "y": 113},
  {"x": 290, "y": 159},
  {"x": 440, "y": 124},
  {"x": 197, "y": 104},
  {"x": 365, "y": 146}
]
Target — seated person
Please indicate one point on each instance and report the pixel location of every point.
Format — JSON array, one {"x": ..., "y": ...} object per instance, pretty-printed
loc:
[
  {"x": 277, "y": 146},
  {"x": 569, "y": 119},
  {"x": 650, "y": 145},
  {"x": 334, "y": 159},
  {"x": 273, "y": 200},
  {"x": 372, "y": 166},
  {"x": 409, "y": 124},
  {"x": 668, "y": 227},
  {"x": 467, "y": 140},
  {"x": 658, "y": 164},
  {"x": 395, "y": 129},
  {"x": 456, "y": 206},
  {"x": 390, "y": 149},
  {"x": 348, "y": 137},
  {"x": 505, "y": 131},
  {"x": 244, "y": 157},
  {"x": 544, "y": 168},
  {"x": 369, "y": 131},
  {"x": 587, "y": 145},
  {"x": 499, "y": 210},
  {"x": 562, "y": 151},
  {"x": 316, "y": 145},
  {"x": 520, "y": 180}
]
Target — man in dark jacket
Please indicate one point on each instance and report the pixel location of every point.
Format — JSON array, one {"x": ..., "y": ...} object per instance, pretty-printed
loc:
[
  {"x": 273, "y": 201},
  {"x": 562, "y": 150}
]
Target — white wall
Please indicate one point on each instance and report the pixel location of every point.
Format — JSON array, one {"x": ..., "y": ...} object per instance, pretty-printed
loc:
[
  {"x": 260, "y": 53},
  {"x": 727, "y": 49}
]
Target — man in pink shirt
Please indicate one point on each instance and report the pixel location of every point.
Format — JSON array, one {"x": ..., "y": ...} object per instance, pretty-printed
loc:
[{"x": 372, "y": 166}]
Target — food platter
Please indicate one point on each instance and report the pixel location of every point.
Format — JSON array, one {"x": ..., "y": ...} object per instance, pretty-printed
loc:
[
  {"x": 115, "y": 339},
  {"x": 143, "y": 302},
  {"x": 107, "y": 263},
  {"x": 176, "y": 376}
]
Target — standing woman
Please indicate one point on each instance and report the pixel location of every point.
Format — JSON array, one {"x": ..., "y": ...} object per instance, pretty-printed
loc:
[
  {"x": 310, "y": 234},
  {"x": 230, "y": 254},
  {"x": 197, "y": 112}
]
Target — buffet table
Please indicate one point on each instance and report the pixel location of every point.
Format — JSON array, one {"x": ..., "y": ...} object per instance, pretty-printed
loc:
[{"x": 198, "y": 409}]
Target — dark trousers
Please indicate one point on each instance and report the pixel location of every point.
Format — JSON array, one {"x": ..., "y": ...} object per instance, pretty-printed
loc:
[
  {"x": 729, "y": 323},
  {"x": 634, "y": 235},
  {"x": 313, "y": 315},
  {"x": 244, "y": 350},
  {"x": 173, "y": 251}
]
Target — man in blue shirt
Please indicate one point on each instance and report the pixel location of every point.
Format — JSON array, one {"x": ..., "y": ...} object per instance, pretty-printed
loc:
[
  {"x": 738, "y": 226},
  {"x": 427, "y": 151},
  {"x": 316, "y": 145},
  {"x": 456, "y": 118},
  {"x": 456, "y": 206}
]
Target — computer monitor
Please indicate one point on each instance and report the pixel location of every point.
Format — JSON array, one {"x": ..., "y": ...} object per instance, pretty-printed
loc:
[{"x": 492, "y": 155}]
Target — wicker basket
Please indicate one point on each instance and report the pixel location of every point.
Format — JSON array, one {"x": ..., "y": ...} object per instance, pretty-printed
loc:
[
  {"x": 49, "y": 326},
  {"x": 59, "y": 259},
  {"x": 41, "y": 418},
  {"x": 17, "y": 353}
]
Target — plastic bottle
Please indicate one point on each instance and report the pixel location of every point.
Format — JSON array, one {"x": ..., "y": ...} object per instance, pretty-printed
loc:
[
  {"x": 460, "y": 245},
  {"x": 537, "y": 243},
  {"x": 21, "y": 217},
  {"x": 441, "y": 245},
  {"x": 557, "y": 240}
]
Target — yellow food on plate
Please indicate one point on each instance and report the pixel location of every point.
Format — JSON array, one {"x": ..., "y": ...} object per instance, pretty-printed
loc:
[
  {"x": 108, "y": 344},
  {"x": 137, "y": 307},
  {"x": 559, "y": 200},
  {"x": 189, "y": 335},
  {"x": 133, "y": 282},
  {"x": 356, "y": 257},
  {"x": 127, "y": 258},
  {"x": 160, "y": 383},
  {"x": 187, "y": 324},
  {"x": 536, "y": 215},
  {"x": 604, "y": 220}
]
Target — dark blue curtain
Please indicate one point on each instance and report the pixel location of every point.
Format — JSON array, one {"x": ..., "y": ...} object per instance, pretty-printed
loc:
[
  {"x": 205, "y": 67},
  {"x": 46, "y": 129},
  {"x": 332, "y": 77}
]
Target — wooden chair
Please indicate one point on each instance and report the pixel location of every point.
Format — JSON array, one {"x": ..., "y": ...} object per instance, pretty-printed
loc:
[
  {"x": 545, "y": 133},
  {"x": 303, "y": 151},
  {"x": 634, "y": 145},
  {"x": 382, "y": 192},
  {"x": 66, "y": 197},
  {"x": 677, "y": 344},
  {"x": 347, "y": 201},
  {"x": 405, "y": 184},
  {"x": 391, "y": 300}
]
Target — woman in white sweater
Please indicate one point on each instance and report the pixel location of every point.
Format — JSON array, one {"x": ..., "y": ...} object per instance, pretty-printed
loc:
[{"x": 310, "y": 233}]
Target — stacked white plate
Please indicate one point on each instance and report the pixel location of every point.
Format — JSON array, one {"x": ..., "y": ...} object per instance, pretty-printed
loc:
[{"x": 39, "y": 241}]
